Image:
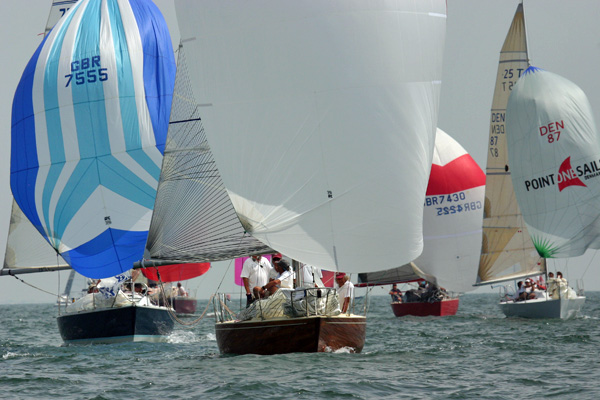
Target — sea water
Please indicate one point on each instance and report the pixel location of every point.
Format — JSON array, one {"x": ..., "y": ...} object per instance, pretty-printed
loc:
[{"x": 477, "y": 354}]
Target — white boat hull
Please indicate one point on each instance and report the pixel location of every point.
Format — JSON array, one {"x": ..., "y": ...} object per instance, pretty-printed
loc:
[{"x": 543, "y": 308}]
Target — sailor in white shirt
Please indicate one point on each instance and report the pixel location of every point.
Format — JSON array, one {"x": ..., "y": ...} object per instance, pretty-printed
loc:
[
  {"x": 309, "y": 276},
  {"x": 283, "y": 280},
  {"x": 345, "y": 291},
  {"x": 255, "y": 273}
]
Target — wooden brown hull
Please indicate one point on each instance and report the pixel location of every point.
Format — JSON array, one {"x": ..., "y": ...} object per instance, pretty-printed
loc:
[
  {"x": 423, "y": 309},
  {"x": 293, "y": 335}
]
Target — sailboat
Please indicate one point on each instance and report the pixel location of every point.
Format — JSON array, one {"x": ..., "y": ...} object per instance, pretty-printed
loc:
[
  {"x": 90, "y": 117},
  {"x": 508, "y": 252},
  {"x": 176, "y": 273},
  {"x": 453, "y": 210},
  {"x": 298, "y": 127}
]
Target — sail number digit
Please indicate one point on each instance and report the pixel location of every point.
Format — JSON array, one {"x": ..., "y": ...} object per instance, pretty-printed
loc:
[
  {"x": 470, "y": 206},
  {"x": 459, "y": 197},
  {"x": 551, "y": 131},
  {"x": 512, "y": 74},
  {"x": 86, "y": 70},
  {"x": 497, "y": 128}
]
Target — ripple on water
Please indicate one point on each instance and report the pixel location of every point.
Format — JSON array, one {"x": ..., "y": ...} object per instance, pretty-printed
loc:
[{"x": 477, "y": 354}]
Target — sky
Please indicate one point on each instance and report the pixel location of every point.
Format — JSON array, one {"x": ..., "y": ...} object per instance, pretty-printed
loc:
[{"x": 563, "y": 37}]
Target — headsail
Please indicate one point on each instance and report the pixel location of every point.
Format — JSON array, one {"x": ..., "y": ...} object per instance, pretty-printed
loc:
[
  {"x": 321, "y": 117},
  {"x": 451, "y": 222},
  {"x": 554, "y": 150},
  {"x": 193, "y": 218},
  {"x": 507, "y": 252},
  {"x": 89, "y": 123}
]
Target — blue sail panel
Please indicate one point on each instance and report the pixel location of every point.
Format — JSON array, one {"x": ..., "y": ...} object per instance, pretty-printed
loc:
[
  {"x": 101, "y": 252},
  {"x": 89, "y": 124}
]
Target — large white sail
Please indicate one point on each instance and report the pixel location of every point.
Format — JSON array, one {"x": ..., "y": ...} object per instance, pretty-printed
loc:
[
  {"x": 321, "y": 117},
  {"x": 507, "y": 252},
  {"x": 554, "y": 151},
  {"x": 453, "y": 213}
]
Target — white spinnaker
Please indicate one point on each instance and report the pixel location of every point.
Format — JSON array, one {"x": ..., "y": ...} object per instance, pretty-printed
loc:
[
  {"x": 321, "y": 117},
  {"x": 554, "y": 151}
]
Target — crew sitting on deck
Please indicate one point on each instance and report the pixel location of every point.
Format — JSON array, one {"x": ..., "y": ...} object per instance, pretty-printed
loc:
[
  {"x": 525, "y": 291},
  {"x": 283, "y": 279}
]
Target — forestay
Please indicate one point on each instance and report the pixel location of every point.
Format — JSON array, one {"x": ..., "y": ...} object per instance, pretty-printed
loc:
[
  {"x": 89, "y": 123},
  {"x": 507, "y": 252},
  {"x": 321, "y": 117},
  {"x": 554, "y": 149}
]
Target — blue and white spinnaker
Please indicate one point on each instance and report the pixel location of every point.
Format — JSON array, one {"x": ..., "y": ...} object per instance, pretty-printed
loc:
[{"x": 89, "y": 123}]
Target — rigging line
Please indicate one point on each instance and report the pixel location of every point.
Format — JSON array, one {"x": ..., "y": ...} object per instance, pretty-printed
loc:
[
  {"x": 230, "y": 262},
  {"x": 35, "y": 287},
  {"x": 588, "y": 266}
]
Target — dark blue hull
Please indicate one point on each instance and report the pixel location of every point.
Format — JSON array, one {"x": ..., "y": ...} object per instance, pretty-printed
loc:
[{"x": 115, "y": 325}]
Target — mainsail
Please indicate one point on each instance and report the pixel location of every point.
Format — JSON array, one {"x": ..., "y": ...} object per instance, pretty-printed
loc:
[
  {"x": 321, "y": 117},
  {"x": 507, "y": 252},
  {"x": 58, "y": 9},
  {"x": 89, "y": 122},
  {"x": 26, "y": 250},
  {"x": 554, "y": 151},
  {"x": 453, "y": 210}
]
